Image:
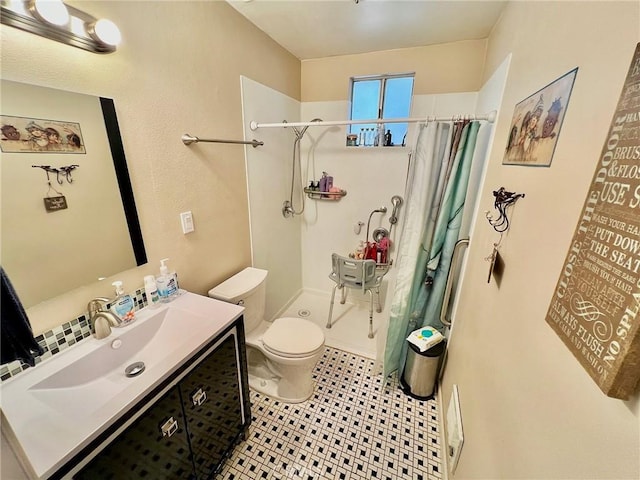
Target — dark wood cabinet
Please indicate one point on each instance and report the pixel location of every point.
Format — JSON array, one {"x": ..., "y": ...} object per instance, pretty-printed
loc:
[
  {"x": 188, "y": 425},
  {"x": 212, "y": 408},
  {"x": 155, "y": 446}
]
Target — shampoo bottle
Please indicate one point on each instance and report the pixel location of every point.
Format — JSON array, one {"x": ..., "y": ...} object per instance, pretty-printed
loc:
[
  {"x": 122, "y": 305},
  {"x": 151, "y": 290},
  {"x": 328, "y": 183},
  {"x": 322, "y": 183},
  {"x": 167, "y": 283}
]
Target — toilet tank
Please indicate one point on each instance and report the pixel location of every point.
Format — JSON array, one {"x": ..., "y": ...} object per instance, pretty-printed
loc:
[{"x": 247, "y": 288}]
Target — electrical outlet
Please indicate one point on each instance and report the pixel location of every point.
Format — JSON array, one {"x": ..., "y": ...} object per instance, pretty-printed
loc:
[
  {"x": 453, "y": 428},
  {"x": 186, "y": 219}
]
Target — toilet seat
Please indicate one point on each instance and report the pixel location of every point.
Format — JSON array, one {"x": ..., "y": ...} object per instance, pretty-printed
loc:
[{"x": 293, "y": 337}]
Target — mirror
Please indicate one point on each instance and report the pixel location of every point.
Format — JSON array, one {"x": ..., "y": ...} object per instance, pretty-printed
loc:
[{"x": 68, "y": 211}]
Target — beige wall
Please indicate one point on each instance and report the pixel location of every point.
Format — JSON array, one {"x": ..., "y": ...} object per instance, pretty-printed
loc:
[
  {"x": 177, "y": 71},
  {"x": 529, "y": 409},
  {"x": 446, "y": 68}
]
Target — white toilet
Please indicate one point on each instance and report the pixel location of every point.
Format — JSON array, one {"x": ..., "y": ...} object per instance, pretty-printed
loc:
[{"x": 282, "y": 354}]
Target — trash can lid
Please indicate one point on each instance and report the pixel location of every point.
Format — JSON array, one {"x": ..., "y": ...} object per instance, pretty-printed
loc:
[{"x": 425, "y": 337}]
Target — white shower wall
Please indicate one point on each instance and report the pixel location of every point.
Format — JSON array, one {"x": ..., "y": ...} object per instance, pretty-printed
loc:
[{"x": 275, "y": 241}]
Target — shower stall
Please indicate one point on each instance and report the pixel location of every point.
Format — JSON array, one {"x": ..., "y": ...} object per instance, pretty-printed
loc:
[{"x": 297, "y": 250}]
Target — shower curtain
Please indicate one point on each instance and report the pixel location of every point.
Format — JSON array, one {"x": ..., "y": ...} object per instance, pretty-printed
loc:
[{"x": 436, "y": 191}]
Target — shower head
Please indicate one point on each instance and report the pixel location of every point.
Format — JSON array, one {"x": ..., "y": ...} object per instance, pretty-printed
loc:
[
  {"x": 300, "y": 133},
  {"x": 381, "y": 210}
]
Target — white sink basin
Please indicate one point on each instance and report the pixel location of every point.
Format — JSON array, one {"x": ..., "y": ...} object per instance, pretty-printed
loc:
[
  {"x": 99, "y": 376},
  {"x": 124, "y": 346},
  {"x": 52, "y": 411}
]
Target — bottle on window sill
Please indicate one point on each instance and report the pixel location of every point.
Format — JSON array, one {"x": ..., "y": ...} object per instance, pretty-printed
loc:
[{"x": 387, "y": 139}]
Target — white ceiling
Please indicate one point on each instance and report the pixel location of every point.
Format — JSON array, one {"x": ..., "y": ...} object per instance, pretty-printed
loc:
[{"x": 324, "y": 28}]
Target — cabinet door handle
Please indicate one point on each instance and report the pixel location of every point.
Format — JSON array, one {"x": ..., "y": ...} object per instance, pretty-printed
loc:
[
  {"x": 199, "y": 397},
  {"x": 169, "y": 427}
]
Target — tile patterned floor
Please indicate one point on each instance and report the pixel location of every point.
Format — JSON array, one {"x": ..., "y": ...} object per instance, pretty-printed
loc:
[{"x": 354, "y": 427}]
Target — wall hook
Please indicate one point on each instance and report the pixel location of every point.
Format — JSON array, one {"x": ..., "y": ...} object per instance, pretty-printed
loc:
[
  {"x": 67, "y": 172},
  {"x": 503, "y": 200}
]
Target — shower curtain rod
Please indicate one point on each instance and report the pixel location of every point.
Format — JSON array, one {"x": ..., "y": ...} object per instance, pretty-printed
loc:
[{"x": 489, "y": 117}]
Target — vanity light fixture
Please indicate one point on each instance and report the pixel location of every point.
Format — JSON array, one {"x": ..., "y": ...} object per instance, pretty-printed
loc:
[{"x": 57, "y": 21}]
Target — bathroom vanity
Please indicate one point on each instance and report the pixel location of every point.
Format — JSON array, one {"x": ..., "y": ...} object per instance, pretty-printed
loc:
[{"x": 78, "y": 415}]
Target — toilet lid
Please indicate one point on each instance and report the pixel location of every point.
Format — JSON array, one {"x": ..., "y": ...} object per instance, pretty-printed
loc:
[{"x": 293, "y": 337}]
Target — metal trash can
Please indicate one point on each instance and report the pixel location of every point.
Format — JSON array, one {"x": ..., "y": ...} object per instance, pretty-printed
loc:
[{"x": 421, "y": 371}]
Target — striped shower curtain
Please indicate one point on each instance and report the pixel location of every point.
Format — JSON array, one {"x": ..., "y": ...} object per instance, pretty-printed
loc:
[{"x": 435, "y": 193}]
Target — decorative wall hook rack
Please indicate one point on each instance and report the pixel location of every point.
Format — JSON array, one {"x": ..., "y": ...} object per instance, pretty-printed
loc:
[
  {"x": 64, "y": 171},
  {"x": 503, "y": 200}
]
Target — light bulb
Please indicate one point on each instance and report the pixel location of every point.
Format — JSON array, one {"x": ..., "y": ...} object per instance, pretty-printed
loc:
[
  {"x": 105, "y": 31},
  {"x": 50, "y": 11}
]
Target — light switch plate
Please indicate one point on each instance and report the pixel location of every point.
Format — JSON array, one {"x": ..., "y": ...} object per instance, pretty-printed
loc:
[{"x": 186, "y": 219}]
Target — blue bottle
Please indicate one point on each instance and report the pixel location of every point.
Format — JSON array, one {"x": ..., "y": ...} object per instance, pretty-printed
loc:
[{"x": 123, "y": 305}]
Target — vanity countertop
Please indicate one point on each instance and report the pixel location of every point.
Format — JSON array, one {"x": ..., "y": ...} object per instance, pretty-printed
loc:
[{"x": 52, "y": 411}]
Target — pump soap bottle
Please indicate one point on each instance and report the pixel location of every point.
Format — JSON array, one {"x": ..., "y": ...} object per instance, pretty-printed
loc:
[
  {"x": 167, "y": 283},
  {"x": 123, "y": 305},
  {"x": 151, "y": 290}
]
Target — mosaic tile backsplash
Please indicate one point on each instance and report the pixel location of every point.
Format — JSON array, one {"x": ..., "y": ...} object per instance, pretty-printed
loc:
[{"x": 60, "y": 338}]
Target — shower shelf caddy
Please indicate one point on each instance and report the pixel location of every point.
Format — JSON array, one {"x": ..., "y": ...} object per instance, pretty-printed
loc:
[{"x": 331, "y": 196}]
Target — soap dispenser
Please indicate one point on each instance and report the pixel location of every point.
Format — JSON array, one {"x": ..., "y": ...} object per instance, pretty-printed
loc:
[
  {"x": 123, "y": 305},
  {"x": 151, "y": 291},
  {"x": 167, "y": 283}
]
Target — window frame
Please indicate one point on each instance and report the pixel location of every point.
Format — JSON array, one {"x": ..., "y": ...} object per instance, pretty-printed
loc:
[{"x": 382, "y": 78}]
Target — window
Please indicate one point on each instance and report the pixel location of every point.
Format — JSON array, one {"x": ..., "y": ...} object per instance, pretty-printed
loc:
[{"x": 380, "y": 97}]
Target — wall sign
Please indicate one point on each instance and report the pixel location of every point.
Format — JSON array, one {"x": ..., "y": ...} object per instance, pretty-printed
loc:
[
  {"x": 596, "y": 303},
  {"x": 53, "y": 204}
]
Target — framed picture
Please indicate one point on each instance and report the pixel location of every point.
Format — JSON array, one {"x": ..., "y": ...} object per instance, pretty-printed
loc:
[
  {"x": 36, "y": 135},
  {"x": 536, "y": 124}
]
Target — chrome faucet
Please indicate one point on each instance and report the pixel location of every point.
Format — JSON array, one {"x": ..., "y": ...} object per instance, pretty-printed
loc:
[{"x": 102, "y": 320}]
